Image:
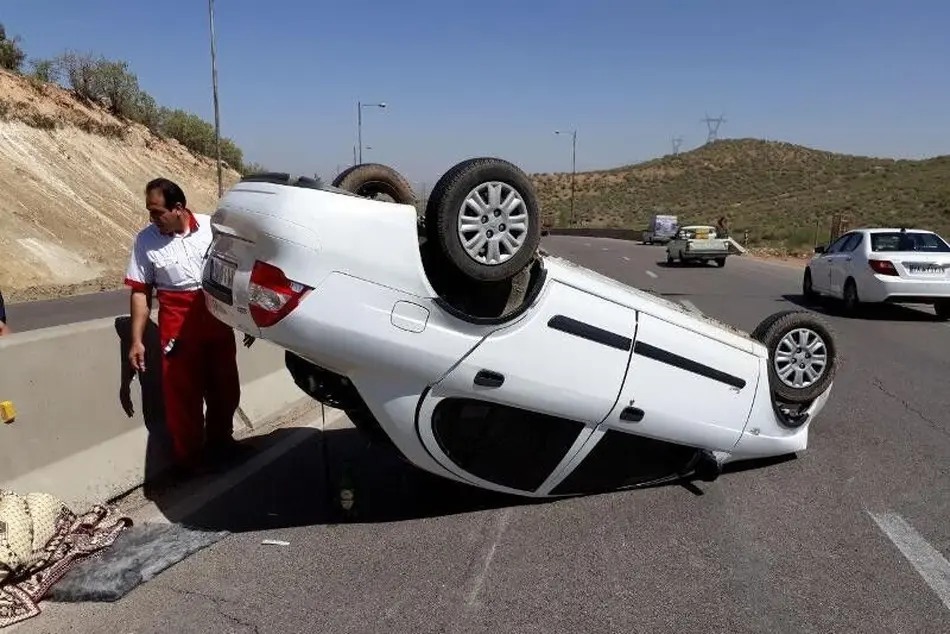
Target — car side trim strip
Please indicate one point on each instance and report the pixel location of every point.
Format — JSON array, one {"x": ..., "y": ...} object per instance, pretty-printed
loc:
[
  {"x": 589, "y": 332},
  {"x": 665, "y": 356}
]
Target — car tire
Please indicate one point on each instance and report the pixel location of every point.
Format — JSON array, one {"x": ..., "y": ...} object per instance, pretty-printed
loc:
[
  {"x": 808, "y": 291},
  {"x": 850, "y": 300},
  {"x": 479, "y": 179},
  {"x": 372, "y": 179},
  {"x": 942, "y": 309},
  {"x": 720, "y": 262},
  {"x": 785, "y": 336}
]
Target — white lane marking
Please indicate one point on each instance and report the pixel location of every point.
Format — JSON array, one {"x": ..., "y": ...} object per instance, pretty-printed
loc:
[
  {"x": 204, "y": 495},
  {"x": 690, "y": 306},
  {"x": 925, "y": 559},
  {"x": 652, "y": 274},
  {"x": 587, "y": 244},
  {"x": 604, "y": 249},
  {"x": 500, "y": 526},
  {"x": 626, "y": 259}
]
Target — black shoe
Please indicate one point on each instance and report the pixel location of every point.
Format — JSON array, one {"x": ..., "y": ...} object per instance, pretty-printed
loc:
[{"x": 227, "y": 451}]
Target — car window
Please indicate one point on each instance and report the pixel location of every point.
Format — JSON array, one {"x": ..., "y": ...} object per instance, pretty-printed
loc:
[
  {"x": 701, "y": 233},
  {"x": 836, "y": 245},
  {"x": 852, "y": 243},
  {"x": 908, "y": 241}
]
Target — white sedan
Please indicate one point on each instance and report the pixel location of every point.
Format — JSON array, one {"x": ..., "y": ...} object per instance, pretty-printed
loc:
[
  {"x": 454, "y": 340},
  {"x": 884, "y": 265}
]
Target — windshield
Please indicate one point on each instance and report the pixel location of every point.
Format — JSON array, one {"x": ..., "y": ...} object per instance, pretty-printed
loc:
[{"x": 907, "y": 241}]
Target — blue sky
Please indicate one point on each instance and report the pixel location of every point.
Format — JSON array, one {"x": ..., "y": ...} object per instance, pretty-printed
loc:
[{"x": 464, "y": 78}]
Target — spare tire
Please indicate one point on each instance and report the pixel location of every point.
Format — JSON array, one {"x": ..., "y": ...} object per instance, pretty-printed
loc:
[
  {"x": 372, "y": 179},
  {"x": 485, "y": 218},
  {"x": 803, "y": 356}
]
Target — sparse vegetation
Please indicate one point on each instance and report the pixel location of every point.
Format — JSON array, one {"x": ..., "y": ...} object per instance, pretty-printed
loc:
[
  {"x": 781, "y": 194},
  {"x": 112, "y": 85},
  {"x": 11, "y": 55}
]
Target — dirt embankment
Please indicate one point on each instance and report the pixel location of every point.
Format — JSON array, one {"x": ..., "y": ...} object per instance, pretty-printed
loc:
[{"x": 71, "y": 190}]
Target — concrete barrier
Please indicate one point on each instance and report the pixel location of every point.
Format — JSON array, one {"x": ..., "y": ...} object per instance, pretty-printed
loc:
[
  {"x": 87, "y": 429},
  {"x": 593, "y": 232}
]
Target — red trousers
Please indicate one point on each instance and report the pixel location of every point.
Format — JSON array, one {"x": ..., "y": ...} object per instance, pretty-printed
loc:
[{"x": 200, "y": 369}]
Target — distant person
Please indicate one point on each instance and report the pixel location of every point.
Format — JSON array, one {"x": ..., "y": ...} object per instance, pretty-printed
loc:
[
  {"x": 198, "y": 352},
  {"x": 722, "y": 227},
  {"x": 4, "y": 329}
]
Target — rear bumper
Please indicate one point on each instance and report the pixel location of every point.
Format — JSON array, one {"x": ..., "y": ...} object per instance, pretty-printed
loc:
[
  {"x": 887, "y": 289},
  {"x": 704, "y": 255}
]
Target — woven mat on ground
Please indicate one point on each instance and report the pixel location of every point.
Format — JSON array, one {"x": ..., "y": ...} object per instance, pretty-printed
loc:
[
  {"x": 40, "y": 540},
  {"x": 136, "y": 556}
]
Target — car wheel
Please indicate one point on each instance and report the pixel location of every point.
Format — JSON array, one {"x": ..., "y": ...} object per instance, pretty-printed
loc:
[
  {"x": 669, "y": 258},
  {"x": 850, "y": 300},
  {"x": 373, "y": 179},
  {"x": 802, "y": 355},
  {"x": 485, "y": 217},
  {"x": 720, "y": 262},
  {"x": 942, "y": 309},
  {"x": 808, "y": 292}
]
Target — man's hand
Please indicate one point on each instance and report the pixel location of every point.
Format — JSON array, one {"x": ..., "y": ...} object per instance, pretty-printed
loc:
[
  {"x": 4, "y": 329},
  {"x": 137, "y": 356}
]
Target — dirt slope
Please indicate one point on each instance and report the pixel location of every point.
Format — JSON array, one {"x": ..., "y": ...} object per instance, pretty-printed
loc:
[{"x": 71, "y": 199}]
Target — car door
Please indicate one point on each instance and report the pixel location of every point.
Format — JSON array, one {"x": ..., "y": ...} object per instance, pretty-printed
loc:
[
  {"x": 526, "y": 398},
  {"x": 841, "y": 262},
  {"x": 684, "y": 391},
  {"x": 821, "y": 266}
]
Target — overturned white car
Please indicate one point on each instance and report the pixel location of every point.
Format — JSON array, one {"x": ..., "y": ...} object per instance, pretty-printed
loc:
[{"x": 481, "y": 359}]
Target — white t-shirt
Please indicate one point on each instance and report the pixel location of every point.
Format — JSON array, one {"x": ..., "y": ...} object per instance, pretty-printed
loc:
[{"x": 170, "y": 262}]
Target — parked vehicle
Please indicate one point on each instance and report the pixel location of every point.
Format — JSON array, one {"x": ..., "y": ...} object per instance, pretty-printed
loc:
[
  {"x": 556, "y": 381},
  {"x": 661, "y": 230},
  {"x": 698, "y": 243},
  {"x": 882, "y": 265}
]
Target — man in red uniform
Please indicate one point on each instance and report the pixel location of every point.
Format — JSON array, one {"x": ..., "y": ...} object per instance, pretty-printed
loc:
[{"x": 199, "y": 355}]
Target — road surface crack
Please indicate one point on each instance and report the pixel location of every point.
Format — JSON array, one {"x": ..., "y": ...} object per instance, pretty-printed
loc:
[
  {"x": 910, "y": 408},
  {"x": 219, "y": 604}
]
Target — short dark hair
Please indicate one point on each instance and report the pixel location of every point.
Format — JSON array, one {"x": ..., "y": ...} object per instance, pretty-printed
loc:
[{"x": 171, "y": 192}]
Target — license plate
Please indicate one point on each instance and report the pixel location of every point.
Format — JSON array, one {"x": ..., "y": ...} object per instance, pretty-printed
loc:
[
  {"x": 925, "y": 269},
  {"x": 222, "y": 273}
]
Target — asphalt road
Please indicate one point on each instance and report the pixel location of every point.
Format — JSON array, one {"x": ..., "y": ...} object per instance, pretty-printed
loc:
[
  {"x": 791, "y": 547},
  {"x": 24, "y": 316}
]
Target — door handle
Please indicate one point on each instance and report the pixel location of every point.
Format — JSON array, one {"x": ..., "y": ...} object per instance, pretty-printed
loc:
[
  {"x": 631, "y": 414},
  {"x": 488, "y": 378}
]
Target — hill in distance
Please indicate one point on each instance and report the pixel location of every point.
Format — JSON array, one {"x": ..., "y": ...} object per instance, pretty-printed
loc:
[{"x": 779, "y": 192}]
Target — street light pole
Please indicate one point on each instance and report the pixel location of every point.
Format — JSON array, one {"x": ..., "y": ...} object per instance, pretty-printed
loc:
[
  {"x": 573, "y": 134},
  {"x": 214, "y": 84},
  {"x": 359, "y": 123}
]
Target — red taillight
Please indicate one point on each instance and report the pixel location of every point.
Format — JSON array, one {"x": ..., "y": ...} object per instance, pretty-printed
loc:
[
  {"x": 271, "y": 296},
  {"x": 883, "y": 267}
]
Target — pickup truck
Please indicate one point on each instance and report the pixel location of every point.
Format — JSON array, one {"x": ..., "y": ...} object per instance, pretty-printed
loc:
[{"x": 699, "y": 243}]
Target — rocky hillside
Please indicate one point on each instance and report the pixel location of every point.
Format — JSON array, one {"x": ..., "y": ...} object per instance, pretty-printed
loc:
[
  {"x": 71, "y": 179},
  {"x": 777, "y": 192}
]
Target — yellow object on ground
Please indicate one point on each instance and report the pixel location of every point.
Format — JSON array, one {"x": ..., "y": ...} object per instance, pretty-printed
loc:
[{"x": 7, "y": 412}]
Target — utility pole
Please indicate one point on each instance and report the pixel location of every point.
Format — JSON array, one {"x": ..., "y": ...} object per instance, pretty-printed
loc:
[
  {"x": 214, "y": 84},
  {"x": 677, "y": 142},
  {"x": 359, "y": 123},
  {"x": 573, "y": 134},
  {"x": 712, "y": 127}
]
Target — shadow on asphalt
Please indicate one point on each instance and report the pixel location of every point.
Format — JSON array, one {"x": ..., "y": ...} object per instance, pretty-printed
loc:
[
  {"x": 879, "y": 312},
  {"x": 302, "y": 487}
]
